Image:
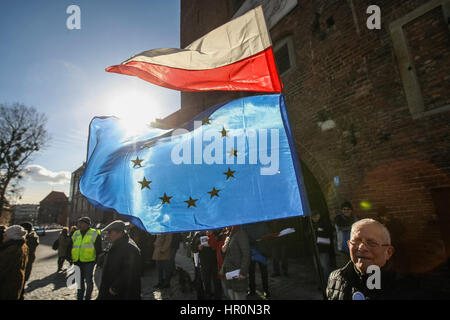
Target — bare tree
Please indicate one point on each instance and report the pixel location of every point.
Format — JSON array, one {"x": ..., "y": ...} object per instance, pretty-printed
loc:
[{"x": 22, "y": 133}]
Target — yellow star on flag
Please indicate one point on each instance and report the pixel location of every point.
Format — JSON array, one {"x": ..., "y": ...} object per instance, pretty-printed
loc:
[
  {"x": 145, "y": 184},
  {"x": 137, "y": 162},
  {"x": 191, "y": 202},
  {"x": 214, "y": 192},
  {"x": 229, "y": 173},
  {"x": 165, "y": 199}
]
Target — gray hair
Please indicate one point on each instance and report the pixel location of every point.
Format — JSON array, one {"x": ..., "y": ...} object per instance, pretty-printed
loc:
[{"x": 367, "y": 221}]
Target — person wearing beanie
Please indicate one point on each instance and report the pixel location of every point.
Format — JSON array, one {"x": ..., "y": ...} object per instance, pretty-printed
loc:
[
  {"x": 32, "y": 241},
  {"x": 13, "y": 263},
  {"x": 15, "y": 232}
]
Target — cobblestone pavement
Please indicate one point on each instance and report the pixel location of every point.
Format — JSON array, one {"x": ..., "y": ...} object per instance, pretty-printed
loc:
[{"x": 46, "y": 284}]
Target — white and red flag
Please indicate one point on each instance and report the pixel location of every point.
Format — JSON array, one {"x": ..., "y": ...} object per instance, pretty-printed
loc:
[{"x": 236, "y": 56}]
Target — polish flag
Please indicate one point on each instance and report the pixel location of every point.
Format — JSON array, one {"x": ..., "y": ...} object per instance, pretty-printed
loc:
[{"x": 236, "y": 56}]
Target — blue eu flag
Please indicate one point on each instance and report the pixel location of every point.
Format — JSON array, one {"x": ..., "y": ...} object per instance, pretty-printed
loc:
[{"x": 233, "y": 164}]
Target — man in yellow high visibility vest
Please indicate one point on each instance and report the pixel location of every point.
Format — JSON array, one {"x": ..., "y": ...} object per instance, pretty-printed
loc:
[{"x": 86, "y": 247}]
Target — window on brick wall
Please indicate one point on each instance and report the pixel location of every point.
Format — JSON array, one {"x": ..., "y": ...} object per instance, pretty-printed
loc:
[
  {"x": 421, "y": 41},
  {"x": 284, "y": 55}
]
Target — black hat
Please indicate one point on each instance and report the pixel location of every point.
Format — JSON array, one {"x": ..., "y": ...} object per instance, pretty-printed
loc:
[
  {"x": 27, "y": 226},
  {"x": 85, "y": 220},
  {"x": 346, "y": 204}
]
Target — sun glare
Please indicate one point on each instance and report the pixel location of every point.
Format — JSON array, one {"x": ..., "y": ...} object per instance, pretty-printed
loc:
[{"x": 135, "y": 109}]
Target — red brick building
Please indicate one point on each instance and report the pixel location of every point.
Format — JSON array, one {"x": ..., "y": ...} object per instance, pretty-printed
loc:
[
  {"x": 53, "y": 209},
  {"x": 370, "y": 109}
]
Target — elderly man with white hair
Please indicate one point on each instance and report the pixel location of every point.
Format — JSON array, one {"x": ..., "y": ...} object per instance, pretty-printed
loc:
[{"x": 370, "y": 245}]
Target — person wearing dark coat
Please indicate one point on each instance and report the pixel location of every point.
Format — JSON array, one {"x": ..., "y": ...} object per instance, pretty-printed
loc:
[
  {"x": 369, "y": 245},
  {"x": 237, "y": 257},
  {"x": 2, "y": 231},
  {"x": 208, "y": 265},
  {"x": 343, "y": 223},
  {"x": 259, "y": 254},
  {"x": 122, "y": 269},
  {"x": 32, "y": 241},
  {"x": 64, "y": 242},
  {"x": 161, "y": 254},
  {"x": 324, "y": 241},
  {"x": 279, "y": 245},
  {"x": 13, "y": 263}
]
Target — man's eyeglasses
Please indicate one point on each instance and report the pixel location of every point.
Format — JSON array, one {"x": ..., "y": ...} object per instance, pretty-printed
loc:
[{"x": 367, "y": 243}]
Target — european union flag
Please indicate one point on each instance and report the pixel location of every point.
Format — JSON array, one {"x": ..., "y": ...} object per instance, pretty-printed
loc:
[{"x": 233, "y": 164}]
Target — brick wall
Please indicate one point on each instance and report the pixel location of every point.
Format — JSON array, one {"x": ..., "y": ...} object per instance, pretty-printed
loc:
[{"x": 349, "y": 74}]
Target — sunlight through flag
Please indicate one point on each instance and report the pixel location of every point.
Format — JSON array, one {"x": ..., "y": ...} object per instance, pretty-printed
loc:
[{"x": 197, "y": 177}]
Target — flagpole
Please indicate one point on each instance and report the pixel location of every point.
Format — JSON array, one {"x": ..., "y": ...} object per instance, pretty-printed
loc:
[{"x": 319, "y": 270}]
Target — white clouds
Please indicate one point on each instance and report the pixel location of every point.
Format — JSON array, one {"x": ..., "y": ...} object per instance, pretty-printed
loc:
[{"x": 38, "y": 173}]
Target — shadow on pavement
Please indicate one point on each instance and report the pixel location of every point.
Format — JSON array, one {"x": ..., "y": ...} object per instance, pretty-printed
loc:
[
  {"x": 50, "y": 257},
  {"x": 57, "y": 279}
]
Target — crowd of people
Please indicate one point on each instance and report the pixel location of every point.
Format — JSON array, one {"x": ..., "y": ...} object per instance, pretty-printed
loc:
[{"x": 225, "y": 260}]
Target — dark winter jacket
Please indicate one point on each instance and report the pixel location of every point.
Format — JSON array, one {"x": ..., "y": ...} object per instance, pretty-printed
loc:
[
  {"x": 64, "y": 244},
  {"x": 237, "y": 256},
  {"x": 255, "y": 232},
  {"x": 343, "y": 226},
  {"x": 122, "y": 271},
  {"x": 344, "y": 282},
  {"x": 275, "y": 227},
  {"x": 207, "y": 255},
  {"x": 32, "y": 241},
  {"x": 216, "y": 241},
  {"x": 324, "y": 236},
  {"x": 13, "y": 263}
]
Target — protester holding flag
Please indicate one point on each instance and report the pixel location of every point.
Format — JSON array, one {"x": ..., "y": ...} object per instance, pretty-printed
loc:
[
  {"x": 155, "y": 180},
  {"x": 236, "y": 263}
]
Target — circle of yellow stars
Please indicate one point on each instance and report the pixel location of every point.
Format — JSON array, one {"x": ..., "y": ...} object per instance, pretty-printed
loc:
[{"x": 190, "y": 202}]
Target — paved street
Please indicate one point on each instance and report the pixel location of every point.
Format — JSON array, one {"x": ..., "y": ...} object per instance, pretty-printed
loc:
[{"x": 46, "y": 284}]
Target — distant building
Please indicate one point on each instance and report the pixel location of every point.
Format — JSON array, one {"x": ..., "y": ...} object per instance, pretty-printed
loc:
[
  {"x": 26, "y": 213},
  {"x": 53, "y": 209},
  {"x": 80, "y": 207}
]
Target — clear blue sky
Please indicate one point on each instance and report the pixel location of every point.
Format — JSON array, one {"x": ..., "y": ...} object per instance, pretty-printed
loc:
[{"x": 61, "y": 72}]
